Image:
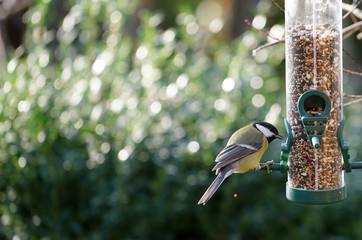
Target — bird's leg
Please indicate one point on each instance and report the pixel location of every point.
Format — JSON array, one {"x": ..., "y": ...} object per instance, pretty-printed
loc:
[{"x": 267, "y": 164}]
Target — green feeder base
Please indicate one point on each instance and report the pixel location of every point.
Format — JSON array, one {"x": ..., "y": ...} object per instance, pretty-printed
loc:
[{"x": 316, "y": 197}]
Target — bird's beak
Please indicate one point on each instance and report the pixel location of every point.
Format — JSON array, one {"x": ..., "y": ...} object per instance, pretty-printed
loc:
[{"x": 279, "y": 136}]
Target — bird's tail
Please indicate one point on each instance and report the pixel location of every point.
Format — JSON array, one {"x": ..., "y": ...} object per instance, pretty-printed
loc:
[{"x": 215, "y": 185}]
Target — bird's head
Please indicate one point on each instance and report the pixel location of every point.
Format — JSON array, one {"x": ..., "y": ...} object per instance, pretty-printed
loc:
[{"x": 269, "y": 131}]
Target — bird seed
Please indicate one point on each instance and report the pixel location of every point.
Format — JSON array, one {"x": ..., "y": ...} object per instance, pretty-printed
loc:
[{"x": 314, "y": 62}]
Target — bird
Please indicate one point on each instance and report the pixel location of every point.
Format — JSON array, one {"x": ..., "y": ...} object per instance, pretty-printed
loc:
[{"x": 242, "y": 153}]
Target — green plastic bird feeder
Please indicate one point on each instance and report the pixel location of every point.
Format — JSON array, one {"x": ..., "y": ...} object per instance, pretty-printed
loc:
[
  {"x": 315, "y": 154},
  {"x": 315, "y": 147}
]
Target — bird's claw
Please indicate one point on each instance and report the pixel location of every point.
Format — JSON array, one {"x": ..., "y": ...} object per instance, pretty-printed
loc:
[{"x": 267, "y": 165}]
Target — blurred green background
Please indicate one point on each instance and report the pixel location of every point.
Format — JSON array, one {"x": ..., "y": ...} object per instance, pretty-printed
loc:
[{"x": 112, "y": 112}]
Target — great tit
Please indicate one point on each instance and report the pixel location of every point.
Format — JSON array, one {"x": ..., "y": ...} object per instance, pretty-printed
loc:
[{"x": 242, "y": 153}]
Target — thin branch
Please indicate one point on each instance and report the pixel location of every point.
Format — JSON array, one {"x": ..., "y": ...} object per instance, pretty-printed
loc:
[
  {"x": 351, "y": 9},
  {"x": 357, "y": 98},
  {"x": 357, "y": 12},
  {"x": 256, "y": 50},
  {"x": 263, "y": 31},
  {"x": 353, "y": 17},
  {"x": 278, "y": 6},
  {"x": 347, "y": 31},
  {"x": 352, "y": 27},
  {"x": 352, "y": 102},
  {"x": 352, "y": 59},
  {"x": 352, "y": 72},
  {"x": 352, "y": 96}
]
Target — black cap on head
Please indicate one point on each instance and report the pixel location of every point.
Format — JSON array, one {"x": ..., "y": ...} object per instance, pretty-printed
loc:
[{"x": 269, "y": 130}]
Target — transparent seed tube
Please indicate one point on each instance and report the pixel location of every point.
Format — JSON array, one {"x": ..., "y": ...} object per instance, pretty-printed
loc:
[{"x": 314, "y": 61}]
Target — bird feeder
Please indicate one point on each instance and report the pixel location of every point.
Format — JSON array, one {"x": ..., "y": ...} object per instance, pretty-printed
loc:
[{"x": 314, "y": 152}]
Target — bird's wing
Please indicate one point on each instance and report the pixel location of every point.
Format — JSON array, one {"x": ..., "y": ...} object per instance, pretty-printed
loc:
[{"x": 234, "y": 152}]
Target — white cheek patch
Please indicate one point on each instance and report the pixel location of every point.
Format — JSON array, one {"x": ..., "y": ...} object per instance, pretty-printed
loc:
[{"x": 265, "y": 130}]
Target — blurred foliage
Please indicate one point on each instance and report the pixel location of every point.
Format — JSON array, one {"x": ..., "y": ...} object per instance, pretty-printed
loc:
[{"x": 105, "y": 136}]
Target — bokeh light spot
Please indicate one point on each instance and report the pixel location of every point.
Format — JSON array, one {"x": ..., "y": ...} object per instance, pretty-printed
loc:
[
  {"x": 277, "y": 31},
  {"x": 116, "y": 17},
  {"x": 105, "y": 147},
  {"x": 207, "y": 11},
  {"x": 22, "y": 162},
  {"x": 155, "y": 107},
  {"x": 41, "y": 137},
  {"x": 24, "y": 106},
  {"x": 35, "y": 17},
  {"x": 216, "y": 25},
  {"x": 98, "y": 66},
  {"x": 36, "y": 220},
  {"x": 193, "y": 147},
  {"x": 99, "y": 129},
  {"x": 258, "y": 100},
  {"x": 168, "y": 36},
  {"x": 182, "y": 81},
  {"x": 221, "y": 105},
  {"x": 261, "y": 56},
  {"x": 171, "y": 90},
  {"x": 141, "y": 52},
  {"x": 95, "y": 84},
  {"x": 44, "y": 59},
  {"x": 192, "y": 28},
  {"x": 123, "y": 155},
  {"x": 259, "y": 21},
  {"x": 273, "y": 114},
  {"x": 116, "y": 105},
  {"x": 12, "y": 65},
  {"x": 228, "y": 84},
  {"x": 256, "y": 82}
]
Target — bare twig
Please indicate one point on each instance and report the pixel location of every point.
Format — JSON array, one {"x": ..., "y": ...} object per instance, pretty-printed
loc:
[
  {"x": 357, "y": 98},
  {"x": 352, "y": 102},
  {"x": 352, "y": 59},
  {"x": 256, "y": 50},
  {"x": 352, "y": 72},
  {"x": 278, "y": 6},
  {"x": 353, "y": 17},
  {"x": 353, "y": 9},
  {"x": 263, "y": 31},
  {"x": 352, "y": 96},
  {"x": 348, "y": 31}
]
